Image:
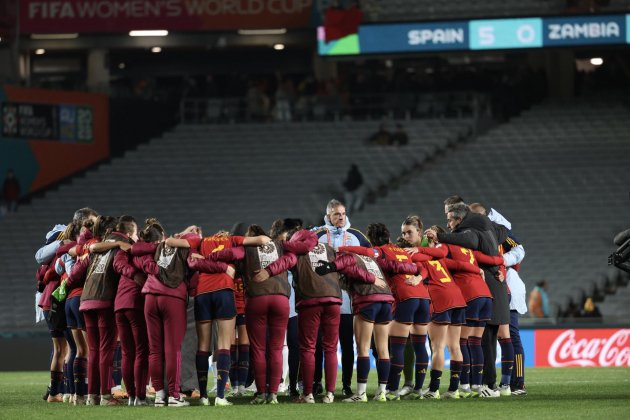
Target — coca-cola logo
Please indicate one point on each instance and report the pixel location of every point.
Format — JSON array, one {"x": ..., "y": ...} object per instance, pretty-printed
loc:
[{"x": 570, "y": 350}]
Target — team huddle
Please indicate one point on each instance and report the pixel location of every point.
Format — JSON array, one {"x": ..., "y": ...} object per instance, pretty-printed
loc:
[{"x": 104, "y": 280}]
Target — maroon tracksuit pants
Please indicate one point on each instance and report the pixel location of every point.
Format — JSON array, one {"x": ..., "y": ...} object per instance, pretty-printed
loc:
[
  {"x": 166, "y": 327},
  {"x": 310, "y": 319},
  {"x": 132, "y": 331},
  {"x": 267, "y": 318},
  {"x": 100, "y": 326}
]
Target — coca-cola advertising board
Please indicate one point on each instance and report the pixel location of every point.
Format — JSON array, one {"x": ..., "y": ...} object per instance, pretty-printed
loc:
[{"x": 583, "y": 348}]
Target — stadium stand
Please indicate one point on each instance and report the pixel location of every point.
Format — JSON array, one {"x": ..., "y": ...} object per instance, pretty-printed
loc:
[
  {"x": 563, "y": 185},
  {"x": 214, "y": 176}
]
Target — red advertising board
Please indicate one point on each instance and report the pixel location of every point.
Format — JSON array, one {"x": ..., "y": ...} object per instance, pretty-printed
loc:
[
  {"x": 583, "y": 347},
  {"x": 63, "y": 16}
]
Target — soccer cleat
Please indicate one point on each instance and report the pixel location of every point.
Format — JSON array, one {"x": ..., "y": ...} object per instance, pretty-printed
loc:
[
  {"x": 119, "y": 393},
  {"x": 465, "y": 391},
  {"x": 150, "y": 391},
  {"x": 236, "y": 392},
  {"x": 177, "y": 402},
  {"x": 195, "y": 394},
  {"x": 259, "y": 399},
  {"x": 45, "y": 396},
  {"x": 416, "y": 394},
  {"x": 318, "y": 389},
  {"x": 392, "y": 396},
  {"x": 306, "y": 399},
  {"x": 67, "y": 398},
  {"x": 204, "y": 401},
  {"x": 347, "y": 391},
  {"x": 431, "y": 395},
  {"x": 282, "y": 388},
  {"x": 92, "y": 399},
  {"x": 272, "y": 399},
  {"x": 159, "y": 401},
  {"x": 452, "y": 395},
  {"x": 131, "y": 401},
  {"x": 80, "y": 400},
  {"x": 55, "y": 398},
  {"x": 519, "y": 391},
  {"x": 221, "y": 402},
  {"x": 380, "y": 397},
  {"x": 329, "y": 398},
  {"x": 405, "y": 390},
  {"x": 140, "y": 403},
  {"x": 485, "y": 392},
  {"x": 504, "y": 390},
  {"x": 357, "y": 398},
  {"x": 108, "y": 400}
]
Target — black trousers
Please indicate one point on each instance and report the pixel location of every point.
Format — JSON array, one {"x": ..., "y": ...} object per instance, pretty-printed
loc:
[
  {"x": 489, "y": 347},
  {"x": 346, "y": 336},
  {"x": 294, "y": 352}
]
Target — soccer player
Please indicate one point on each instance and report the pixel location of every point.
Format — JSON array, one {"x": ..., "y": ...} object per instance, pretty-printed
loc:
[
  {"x": 129, "y": 312},
  {"x": 56, "y": 327},
  {"x": 318, "y": 300},
  {"x": 478, "y": 309},
  {"x": 477, "y": 232},
  {"x": 97, "y": 305},
  {"x": 214, "y": 300},
  {"x": 167, "y": 290},
  {"x": 447, "y": 317},
  {"x": 411, "y": 304},
  {"x": 88, "y": 243}
]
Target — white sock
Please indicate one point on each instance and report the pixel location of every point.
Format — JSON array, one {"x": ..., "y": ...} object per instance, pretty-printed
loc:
[
  {"x": 285, "y": 363},
  {"x": 160, "y": 394},
  {"x": 361, "y": 388},
  {"x": 381, "y": 388}
]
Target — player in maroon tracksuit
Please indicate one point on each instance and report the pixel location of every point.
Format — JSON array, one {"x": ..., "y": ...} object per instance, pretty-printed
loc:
[
  {"x": 318, "y": 300},
  {"x": 130, "y": 321},
  {"x": 266, "y": 311},
  {"x": 372, "y": 304},
  {"x": 167, "y": 289},
  {"x": 97, "y": 305}
]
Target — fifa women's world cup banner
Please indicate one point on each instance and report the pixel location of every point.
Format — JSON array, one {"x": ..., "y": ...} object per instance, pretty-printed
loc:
[
  {"x": 91, "y": 16},
  {"x": 47, "y": 135}
]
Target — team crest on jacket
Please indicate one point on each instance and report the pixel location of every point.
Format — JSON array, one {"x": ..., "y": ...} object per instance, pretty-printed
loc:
[
  {"x": 166, "y": 256},
  {"x": 318, "y": 253},
  {"x": 371, "y": 266},
  {"x": 101, "y": 262},
  {"x": 267, "y": 254}
]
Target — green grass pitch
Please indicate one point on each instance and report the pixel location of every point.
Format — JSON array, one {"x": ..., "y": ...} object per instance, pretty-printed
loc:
[{"x": 553, "y": 394}]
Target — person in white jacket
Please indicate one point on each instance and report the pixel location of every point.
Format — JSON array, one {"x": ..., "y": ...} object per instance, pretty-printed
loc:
[{"x": 337, "y": 232}]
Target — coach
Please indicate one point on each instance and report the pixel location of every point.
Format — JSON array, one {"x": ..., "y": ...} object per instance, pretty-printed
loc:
[{"x": 336, "y": 233}]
